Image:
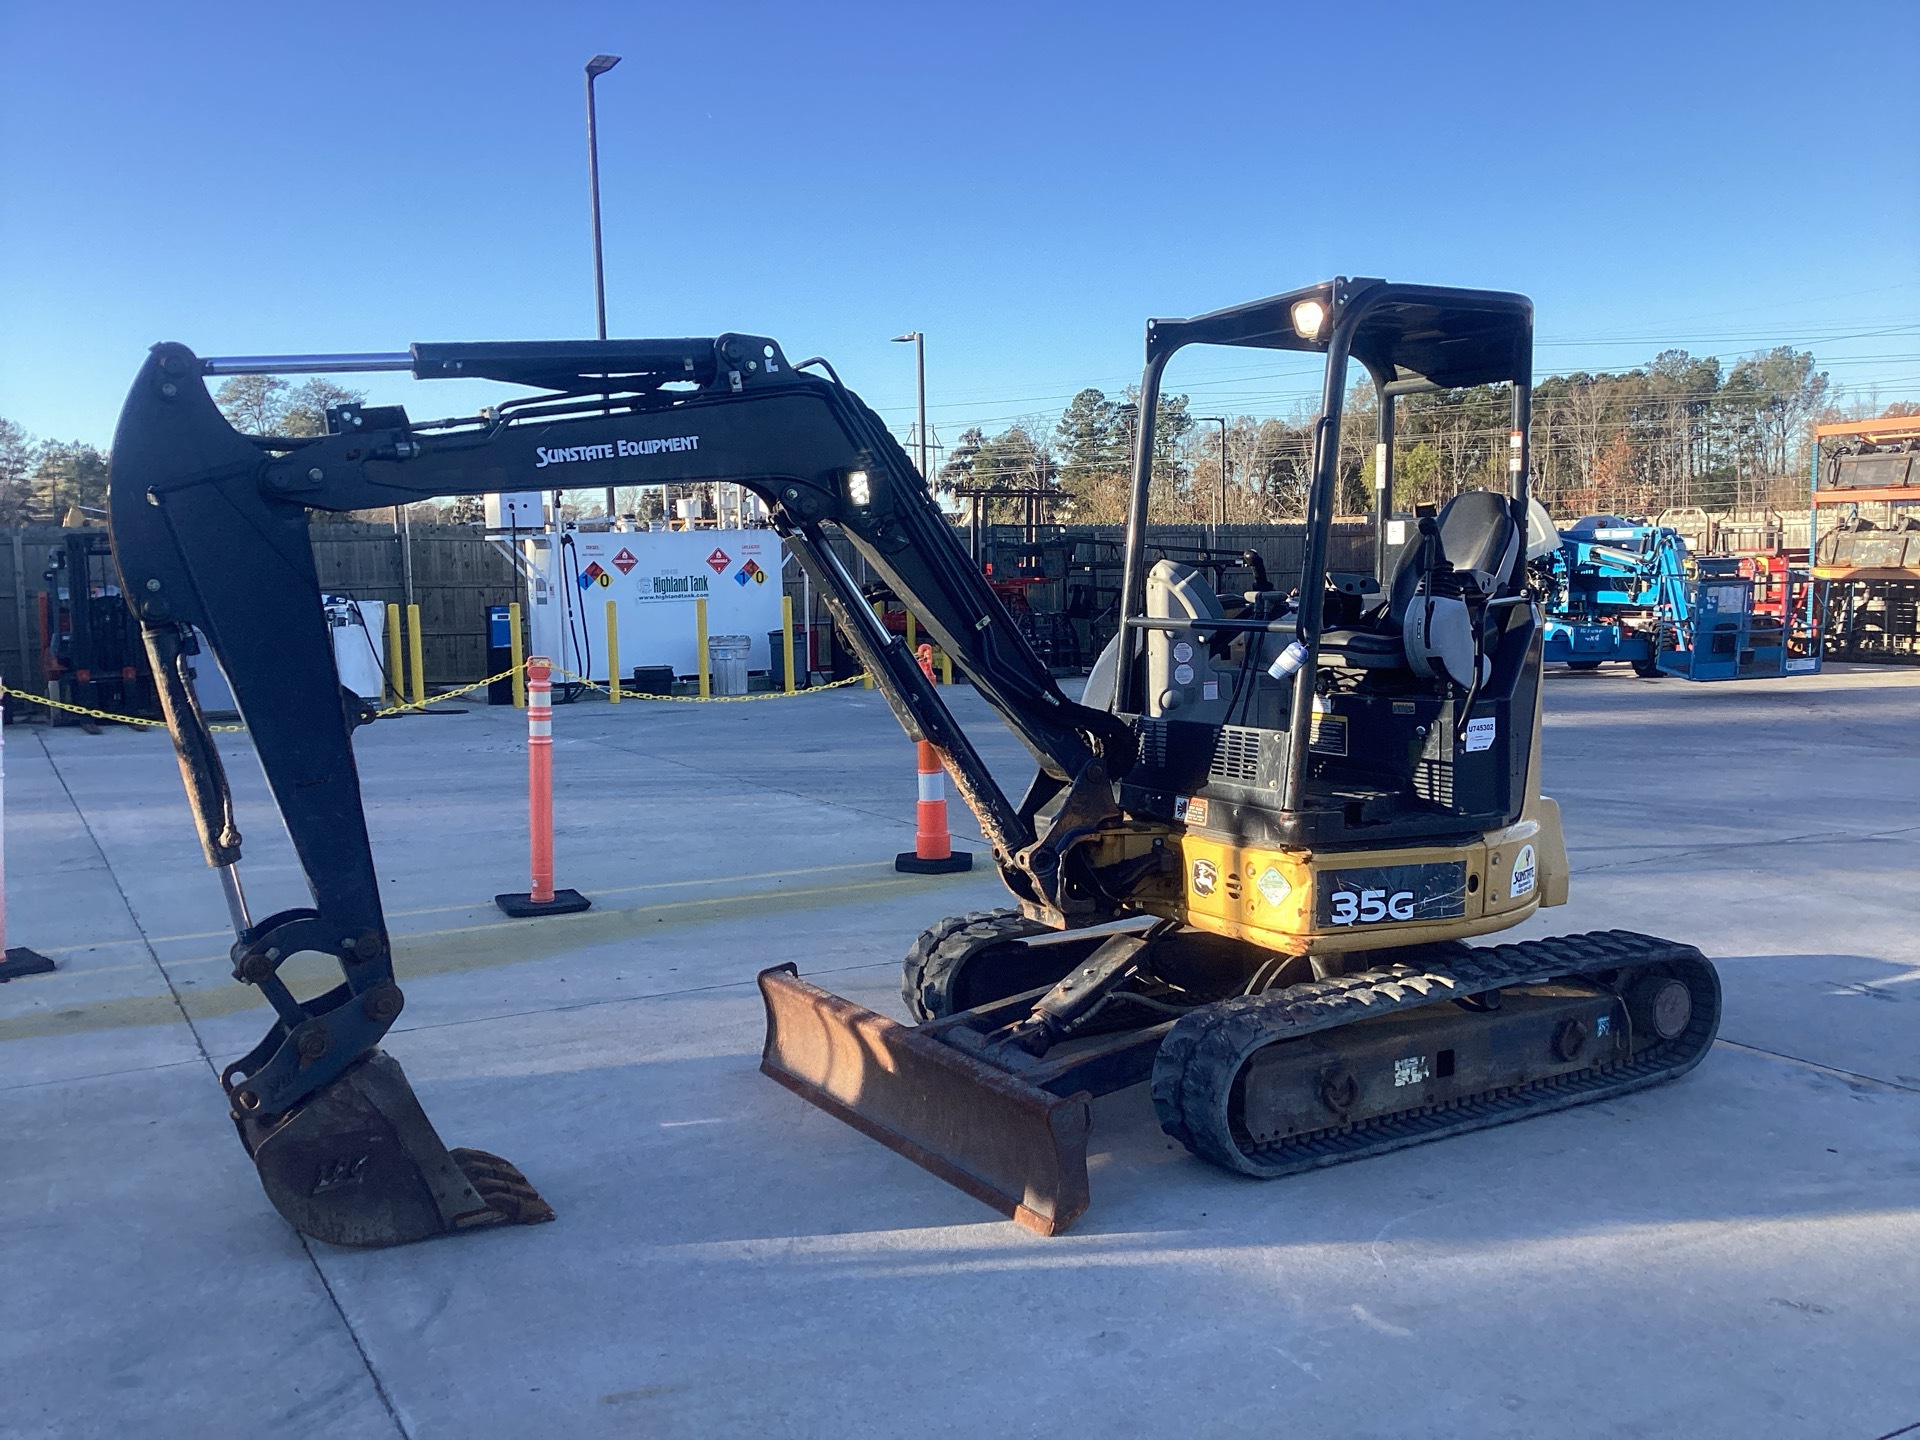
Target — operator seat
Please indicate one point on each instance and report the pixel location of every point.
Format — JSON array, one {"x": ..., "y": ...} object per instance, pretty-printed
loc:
[{"x": 1478, "y": 545}]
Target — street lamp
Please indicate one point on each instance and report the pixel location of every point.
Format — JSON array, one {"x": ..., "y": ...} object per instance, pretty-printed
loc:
[
  {"x": 1221, "y": 422},
  {"x": 596, "y": 67},
  {"x": 920, "y": 360}
]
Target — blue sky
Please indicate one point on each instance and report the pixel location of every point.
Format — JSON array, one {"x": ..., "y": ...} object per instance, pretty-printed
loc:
[{"x": 1026, "y": 184}]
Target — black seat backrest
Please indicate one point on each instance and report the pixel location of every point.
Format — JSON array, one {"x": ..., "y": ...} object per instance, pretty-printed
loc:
[{"x": 1476, "y": 529}]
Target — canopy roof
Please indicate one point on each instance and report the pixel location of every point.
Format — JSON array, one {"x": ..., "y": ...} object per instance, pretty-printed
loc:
[{"x": 1409, "y": 336}]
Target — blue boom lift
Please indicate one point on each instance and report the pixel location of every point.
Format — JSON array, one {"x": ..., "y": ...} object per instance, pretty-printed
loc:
[{"x": 1624, "y": 590}]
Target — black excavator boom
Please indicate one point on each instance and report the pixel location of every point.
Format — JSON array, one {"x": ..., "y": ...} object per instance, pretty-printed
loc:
[{"x": 210, "y": 532}]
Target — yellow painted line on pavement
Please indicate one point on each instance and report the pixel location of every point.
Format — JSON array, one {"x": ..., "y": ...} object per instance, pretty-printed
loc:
[
  {"x": 872, "y": 867},
  {"x": 459, "y": 949}
]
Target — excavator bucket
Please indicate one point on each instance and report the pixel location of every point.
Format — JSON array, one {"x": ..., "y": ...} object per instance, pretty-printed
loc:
[
  {"x": 358, "y": 1163},
  {"x": 1004, "y": 1142}
]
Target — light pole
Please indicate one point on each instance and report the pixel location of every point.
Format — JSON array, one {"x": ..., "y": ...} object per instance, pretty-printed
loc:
[
  {"x": 1221, "y": 422},
  {"x": 596, "y": 67},
  {"x": 920, "y": 360}
]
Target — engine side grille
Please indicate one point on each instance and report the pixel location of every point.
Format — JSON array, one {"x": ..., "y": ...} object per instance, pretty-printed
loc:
[
  {"x": 1236, "y": 755},
  {"x": 1433, "y": 782},
  {"x": 1153, "y": 743},
  {"x": 1433, "y": 771}
]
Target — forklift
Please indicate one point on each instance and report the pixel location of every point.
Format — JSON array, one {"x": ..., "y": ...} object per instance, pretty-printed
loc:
[{"x": 89, "y": 642}]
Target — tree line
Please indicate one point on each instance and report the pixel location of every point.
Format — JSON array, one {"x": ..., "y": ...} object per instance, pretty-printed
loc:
[
  {"x": 53, "y": 482},
  {"x": 1681, "y": 430}
]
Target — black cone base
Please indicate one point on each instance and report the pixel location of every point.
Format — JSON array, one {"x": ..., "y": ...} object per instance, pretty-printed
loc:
[
  {"x": 523, "y": 906},
  {"x": 21, "y": 961},
  {"x": 911, "y": 864}
]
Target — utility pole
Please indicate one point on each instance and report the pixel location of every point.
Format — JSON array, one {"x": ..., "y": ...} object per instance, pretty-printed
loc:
[
  {"x": 596, "y": 67},
  {"x": 1217, "y": 420},
  {"x": 920, "y": 360}
]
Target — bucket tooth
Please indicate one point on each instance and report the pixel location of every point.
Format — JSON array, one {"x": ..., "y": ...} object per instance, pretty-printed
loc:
[
  {"x": 357, "y": 1163},
  {"x": 1005, "y": 1142}
]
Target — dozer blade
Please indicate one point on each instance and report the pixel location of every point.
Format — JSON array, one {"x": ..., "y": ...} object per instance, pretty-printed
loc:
[
  {"x": 1004, "y": 1142},
  {"x": 358, "y": 1163}
]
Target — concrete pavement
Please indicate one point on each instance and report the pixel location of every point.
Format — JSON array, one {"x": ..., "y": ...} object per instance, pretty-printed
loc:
[{"x": 1736, "y": 1254}]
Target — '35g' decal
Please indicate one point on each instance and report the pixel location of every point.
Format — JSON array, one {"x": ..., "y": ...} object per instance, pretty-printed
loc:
[
  {"x": 1370, "y": 907},
  {"x": 1383, "y": 894}
]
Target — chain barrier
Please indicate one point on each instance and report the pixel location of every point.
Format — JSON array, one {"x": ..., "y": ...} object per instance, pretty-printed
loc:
[
  {"x": 409, "y": 707},
  {"x": 90, "y": 713},
  {"x": 626, "y": 694}
]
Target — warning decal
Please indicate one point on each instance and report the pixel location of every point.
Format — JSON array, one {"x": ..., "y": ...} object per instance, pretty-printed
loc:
[
  {"x": 750, "y": 571},
  {"x": 719, "y": 560},
  {"x": 625, "y": 561}
]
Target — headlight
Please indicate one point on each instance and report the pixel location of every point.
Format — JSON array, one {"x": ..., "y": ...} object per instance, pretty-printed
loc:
[
  {"x": 859, "y": 488},
  {"x": 1308, "y": 317}
]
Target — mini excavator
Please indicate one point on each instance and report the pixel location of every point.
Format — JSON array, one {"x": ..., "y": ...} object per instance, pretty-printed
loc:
[{"x": 1245, "y": 871}]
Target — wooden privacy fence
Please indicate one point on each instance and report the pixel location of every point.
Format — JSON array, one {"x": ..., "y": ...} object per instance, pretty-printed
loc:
[{"x": 458, "y": 573}]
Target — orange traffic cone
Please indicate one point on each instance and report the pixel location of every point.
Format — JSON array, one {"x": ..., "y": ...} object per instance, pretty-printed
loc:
[{"x": 933, "y": 852}]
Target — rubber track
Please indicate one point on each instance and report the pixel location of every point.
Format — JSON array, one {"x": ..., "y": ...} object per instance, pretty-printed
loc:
[
  {"x": 942, "y": 951},
  {"x": 1197, "y": 1064}
]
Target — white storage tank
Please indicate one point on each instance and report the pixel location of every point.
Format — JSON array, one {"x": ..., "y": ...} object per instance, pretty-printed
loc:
[{"x": 359, "y": 644}]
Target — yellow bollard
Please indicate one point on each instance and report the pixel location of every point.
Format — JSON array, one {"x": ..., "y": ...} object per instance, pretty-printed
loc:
[
  {"x": 946, "y": 668},
  {"x": 519, "y": 659},
  {"x": 413, "y": 649},
  {"x": 613, "y": 653},
  {"x": 700, "y": 644},
  {"x": 880, "y": 614},
  {"x": 396, "y": 672},
  {"x": 786, "y": 637},
  {"x": 913, "y": 634}
]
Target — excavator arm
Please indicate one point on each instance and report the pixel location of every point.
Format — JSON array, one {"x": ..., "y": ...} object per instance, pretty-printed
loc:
[{"x": 210, "y": 531}]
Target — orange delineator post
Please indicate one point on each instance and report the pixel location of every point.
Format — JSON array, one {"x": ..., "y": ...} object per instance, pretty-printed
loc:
[
  {"x": 933, "y": 852},
  {"x": 542, "y": 898},
  {"x": 540, "y": 781}
]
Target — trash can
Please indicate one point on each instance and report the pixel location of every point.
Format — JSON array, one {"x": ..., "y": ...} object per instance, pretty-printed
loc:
[
  {"x": 777, "y": 660},
  {"x": 727, "y": 663},
  {"x": 845, "y": 664}
]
